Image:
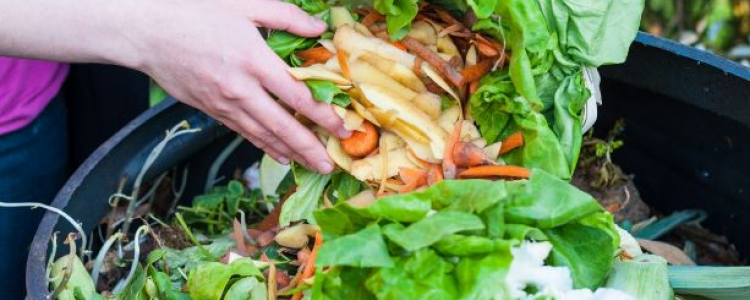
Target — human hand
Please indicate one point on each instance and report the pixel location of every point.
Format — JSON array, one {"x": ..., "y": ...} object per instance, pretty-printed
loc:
[{"x": 210, "y": 55}]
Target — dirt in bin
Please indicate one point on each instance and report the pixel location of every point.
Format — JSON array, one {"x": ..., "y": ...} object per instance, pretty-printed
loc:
[{"x": 599, "y": 176}]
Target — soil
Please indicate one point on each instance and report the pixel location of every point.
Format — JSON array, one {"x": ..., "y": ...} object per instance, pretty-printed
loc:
[{"x": 616, "y": 191}]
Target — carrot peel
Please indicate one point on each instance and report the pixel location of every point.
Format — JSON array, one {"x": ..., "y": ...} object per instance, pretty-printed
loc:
[
  {"x": 495, "y": 171},
  {"x": 310, "y": 266}
]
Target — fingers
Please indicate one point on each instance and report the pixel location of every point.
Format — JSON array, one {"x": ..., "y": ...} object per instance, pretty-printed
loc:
[
  {"x": 283, "y": 129},
  {"x": 294, "y": 93},
  {"x": 274, "y": 14}
]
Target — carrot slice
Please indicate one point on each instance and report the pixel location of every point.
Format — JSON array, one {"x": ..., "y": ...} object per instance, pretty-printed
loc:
[
  {"x": 491, "y": 172},
  {"x": 372, "y": 17},
  {"x": 320, "y": 54},
  {"x": 361, "y": 143},
  {"x": 469, "y": 155},
  {"x": 476, "y": 72},
  {"x": 310, "y": 266},
  {"x": 449, "y": 165},
  {"x": 512, "y": 142},
  {"x": 449, "y": 72},
  {"x": 344, "y": 64}
]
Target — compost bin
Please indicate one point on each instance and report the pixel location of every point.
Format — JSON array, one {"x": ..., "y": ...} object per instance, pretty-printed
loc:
[{"x": 687, "y": 141}]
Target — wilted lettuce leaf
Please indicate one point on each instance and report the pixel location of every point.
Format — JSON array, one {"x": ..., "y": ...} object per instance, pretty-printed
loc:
[
  {"x": 300, "y": 206},
  {"x": 545, "y": 201},
  {"x": 209, "y": 280},
  {"x": 398, "y": 15},
  {"x": 79, "y": 278},
  {"x": 594, "y": 32},
  {"x": 432, "y": 229},
  {"x": 327, "y": 92},
  {"x": 587, "y": 251},
  {"x": 364, "y": 249},
  {"x": 422, "y": 275}
]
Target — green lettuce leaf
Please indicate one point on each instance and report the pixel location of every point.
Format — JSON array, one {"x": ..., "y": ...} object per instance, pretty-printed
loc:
[
  {"x": 364, "y": 249},
  {"x": 594, "y": 32},
  {"x": 545, "y": 201},
  {"x": 423, "y": 275},
  {"x": 284, "y": 44},
  {"x": 331, "y": 286},
  {"x": 327, "y": 92},
  {"x": 483, "y": 8},
  {"x": 302, "y": 204},
  {"x": 481, "y": 277},
  {"x": 500, "y": 111},
  {"x": 310, "y": 6},
  {"x": 588, "y": 252},
  {"x": 342, "y": 219},
  {"x": 248, "y": 288},
  {"x": 432, "y": 229},
  {"x": 469, "y": 245},
  {"x": 398, "y": 15},
  {"x": 210, "y": 279},
  {"x": 345, "y": 185}
]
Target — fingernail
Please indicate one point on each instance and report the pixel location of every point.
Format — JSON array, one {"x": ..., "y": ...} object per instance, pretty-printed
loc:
[
  {"x": 282, "y": 160},
  {"x": 343, "y": 133},
  {"x": 325, "y": 167}
]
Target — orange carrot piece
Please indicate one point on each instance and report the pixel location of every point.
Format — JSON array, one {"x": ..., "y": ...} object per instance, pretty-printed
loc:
[
  {"x": 512, "y": 142},
  {"x": 361, "y": 143},
  {"x": 320, "y": 54},
  {"x": 476, "y": 72},
  {"x": 344, "y": 64},
  {"x": 371, "y": 18},
  {"x": 449, "y": 165},
  {"x": 469, "y": 155},
  {"x": 417, "y": 69},
  {"x": 449, "y": 72},
  {"x": 496, "y": 171},
  {"x": 487, "y": 50},
  {"x": 310, "y": 266},
  {"x": 399, "y": 45}
]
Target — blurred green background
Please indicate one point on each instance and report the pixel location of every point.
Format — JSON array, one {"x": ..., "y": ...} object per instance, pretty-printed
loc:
[{"x": 718, "y": 26}]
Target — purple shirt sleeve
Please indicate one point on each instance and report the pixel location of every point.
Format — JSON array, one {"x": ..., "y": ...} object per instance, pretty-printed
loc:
[{"x": 26, "y": 87}]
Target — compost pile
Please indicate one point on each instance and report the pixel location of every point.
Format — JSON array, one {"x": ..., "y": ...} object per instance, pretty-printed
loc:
[{"x": 468, "y": 120}]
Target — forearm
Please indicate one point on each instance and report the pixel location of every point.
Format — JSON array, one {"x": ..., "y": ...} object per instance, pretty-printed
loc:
[{"x": 96, "y": 31}]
